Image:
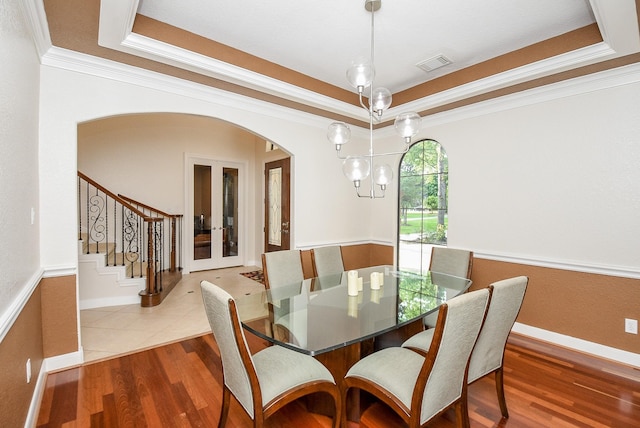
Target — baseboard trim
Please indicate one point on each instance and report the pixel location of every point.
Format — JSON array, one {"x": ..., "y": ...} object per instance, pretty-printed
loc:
[
  {"x": 49, "y": 365},
  {"x": 109, "y": 301},
  {"x": 595, "y": 349},
  {"x": 36, "y": 399},
  {"x": 64, "y": 361}
]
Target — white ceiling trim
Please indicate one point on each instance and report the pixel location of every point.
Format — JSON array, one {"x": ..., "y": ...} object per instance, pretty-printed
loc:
[
  {"x": 116, "y": 22},
  {"x": 617, "y": 21},
  {"x": 517, "y": 75},
  {"x": 182, "y": 58},
  {"x": 102, "y": 68},
  {"x": 629, "y": 74},
  {"x": 37, "y": 18}
]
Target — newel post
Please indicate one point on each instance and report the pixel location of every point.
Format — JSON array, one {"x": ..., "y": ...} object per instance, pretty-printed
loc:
[
  {"x": 151, "y": 295},
  {"x": 172, "y": 253}
]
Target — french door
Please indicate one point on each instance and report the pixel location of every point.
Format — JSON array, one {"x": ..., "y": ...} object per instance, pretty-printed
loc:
[{"x": 215, "y": 205}]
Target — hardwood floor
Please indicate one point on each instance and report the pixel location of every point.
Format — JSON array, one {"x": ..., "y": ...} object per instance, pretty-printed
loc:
[{"x": 178, "y": 385}]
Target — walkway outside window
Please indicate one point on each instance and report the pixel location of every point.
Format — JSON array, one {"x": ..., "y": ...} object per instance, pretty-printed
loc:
[{"x": 423, "y": 217}]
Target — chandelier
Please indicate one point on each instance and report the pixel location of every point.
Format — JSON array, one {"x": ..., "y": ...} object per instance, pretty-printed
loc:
[{"x": 356, "y": 168}]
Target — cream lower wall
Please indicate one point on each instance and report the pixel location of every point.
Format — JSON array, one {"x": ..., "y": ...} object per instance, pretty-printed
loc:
[{"x": 543, "y": 176}]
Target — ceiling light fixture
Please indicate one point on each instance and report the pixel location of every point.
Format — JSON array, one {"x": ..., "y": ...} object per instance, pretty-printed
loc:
[{"x": 358, "y": 167}]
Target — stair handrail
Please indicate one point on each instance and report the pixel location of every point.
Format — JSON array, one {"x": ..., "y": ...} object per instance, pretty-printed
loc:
[
  {"x": 154, "y": 283},
  {"x": 122, "y": 201},
  {"x": 148, "y": 207}
]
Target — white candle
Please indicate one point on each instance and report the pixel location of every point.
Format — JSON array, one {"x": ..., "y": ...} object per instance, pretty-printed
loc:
[
  {"x": 359, "y": 284},
  {"x": 352, "y": 283},
  {"x": 352, "y": 306},
  {"x": 375, "y": 281}
]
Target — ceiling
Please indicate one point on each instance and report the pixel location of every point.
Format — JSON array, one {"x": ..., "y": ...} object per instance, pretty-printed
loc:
[
  {"x": 321, "y": 38},
  {"x": 295, "y": 53}
]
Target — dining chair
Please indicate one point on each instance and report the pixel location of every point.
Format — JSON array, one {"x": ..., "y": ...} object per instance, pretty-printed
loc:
[
  {"x": 488, "y": 355},
  {"x": 420, "y": 387},
  {"x": 327, "y": 260},
  {"x": 265, "y": 382},
  {"x": 282, "y": 268},
  {"x": 450, "y": 261}
]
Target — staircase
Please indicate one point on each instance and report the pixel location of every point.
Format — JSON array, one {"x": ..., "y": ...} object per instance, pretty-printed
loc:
[{"x": 129, "y": 252}]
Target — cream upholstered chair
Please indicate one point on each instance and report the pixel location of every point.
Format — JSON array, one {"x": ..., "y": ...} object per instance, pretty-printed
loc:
[
  {"x": 282, "y": 268},
  {"x": 450, "y": 261},
  {"x": 419, "y": 387},
  {"x": 488, "y": 354},
  {"x": 327, "y": 260},
  {"x": 264, "y": 382}
]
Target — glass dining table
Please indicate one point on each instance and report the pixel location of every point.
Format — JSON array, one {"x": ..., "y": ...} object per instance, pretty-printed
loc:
[{"x": 319, "y": 317}]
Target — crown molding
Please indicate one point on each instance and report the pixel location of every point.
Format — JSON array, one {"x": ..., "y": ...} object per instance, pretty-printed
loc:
[
  {"x": 37, "y": 19},
  {"x": 99, "y": 67},
  {"x": 624, "y": 75},
  {"x": 616, "y": 23},
  {"x": 163, "y": 52},
  {"x": 522, "y": 74}
]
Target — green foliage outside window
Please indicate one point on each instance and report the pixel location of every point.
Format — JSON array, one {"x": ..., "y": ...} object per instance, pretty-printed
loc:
[{"x": 424, "y": 180}]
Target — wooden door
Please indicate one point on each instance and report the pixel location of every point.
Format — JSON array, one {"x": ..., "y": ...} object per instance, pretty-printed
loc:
[{"x": 277, "y": 205}]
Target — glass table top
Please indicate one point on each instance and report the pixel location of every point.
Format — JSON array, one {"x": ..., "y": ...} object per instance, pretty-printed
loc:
[{"x": 318, "y": 314}]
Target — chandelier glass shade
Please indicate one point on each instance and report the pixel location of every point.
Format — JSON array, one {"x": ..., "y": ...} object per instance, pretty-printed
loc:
[{"x": 357, "y": 168}]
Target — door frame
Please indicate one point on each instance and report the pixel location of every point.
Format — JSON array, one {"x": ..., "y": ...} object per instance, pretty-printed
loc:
[{"x": 191, "y": 159}]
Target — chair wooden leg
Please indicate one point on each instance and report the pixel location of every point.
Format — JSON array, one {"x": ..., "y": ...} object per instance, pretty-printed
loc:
[
  {"x": 339, "y": 410},
  {"x": 500, "y": 391},
  {"x": 462, "y": 410},
  {"x": 224, "y": 411},
  {"x": 343, "y": 396}
]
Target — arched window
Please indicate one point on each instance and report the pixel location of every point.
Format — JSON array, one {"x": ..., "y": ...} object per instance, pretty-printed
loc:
[{"x": 423, "y": 196}]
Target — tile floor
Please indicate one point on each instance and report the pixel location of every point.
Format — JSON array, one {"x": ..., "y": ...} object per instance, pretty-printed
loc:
[{"x": 117, "y": 330}]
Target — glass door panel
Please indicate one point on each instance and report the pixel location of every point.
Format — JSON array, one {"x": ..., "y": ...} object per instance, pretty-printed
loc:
[
  {"x": 275, "y": 204},
  {"x": 229, "y": 212},
  {"x": 202, "y": 212}
]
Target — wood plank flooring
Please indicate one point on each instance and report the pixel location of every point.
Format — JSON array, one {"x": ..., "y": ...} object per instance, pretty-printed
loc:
[{"x": 178, "y": 385}]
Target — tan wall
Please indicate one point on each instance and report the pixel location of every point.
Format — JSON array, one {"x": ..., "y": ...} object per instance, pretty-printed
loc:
[
  {"x": 59, "y": 315},
  {"x": 582, "y": 305},
  {"x": 46, "y": 327},
  {"x": 586, "y": 306},
  {"x": 22, "y": 342},
  {"x": 354, "y": 257}
]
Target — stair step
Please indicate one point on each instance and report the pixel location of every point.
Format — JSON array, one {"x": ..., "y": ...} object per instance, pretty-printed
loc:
[
  {"x": 98, "y": 248},
  {"x": 130, "y": 261},
  {"x": 138, "y": 269}
]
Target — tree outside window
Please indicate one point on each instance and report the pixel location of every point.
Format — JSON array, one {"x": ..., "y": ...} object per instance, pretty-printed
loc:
[{"x": 423, "y": 190}]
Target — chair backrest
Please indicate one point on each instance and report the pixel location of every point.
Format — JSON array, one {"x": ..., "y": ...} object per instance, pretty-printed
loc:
[
  {"x": 506, "y": 301},
  {"x": 327, "y": 260},
  {"x": 451, "y": 261},
  {"x": 237, "y": 365},
  {"x": 282, "y": 268},
  {"x": 456, "y": 332}
]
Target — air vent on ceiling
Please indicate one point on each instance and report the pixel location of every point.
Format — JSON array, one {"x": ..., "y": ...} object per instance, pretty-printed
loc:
[{"x": 433, "y": 63}]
